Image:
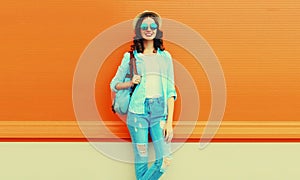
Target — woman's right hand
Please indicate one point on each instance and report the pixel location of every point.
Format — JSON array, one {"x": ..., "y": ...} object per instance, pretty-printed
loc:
[{"x": 136, "y": 79}]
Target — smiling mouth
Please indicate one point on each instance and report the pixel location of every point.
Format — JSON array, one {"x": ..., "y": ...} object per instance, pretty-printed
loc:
[{"x": 148, "y": 34}]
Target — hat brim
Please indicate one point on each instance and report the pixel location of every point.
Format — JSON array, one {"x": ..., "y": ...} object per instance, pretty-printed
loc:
[{"x": 135, "y": 20}]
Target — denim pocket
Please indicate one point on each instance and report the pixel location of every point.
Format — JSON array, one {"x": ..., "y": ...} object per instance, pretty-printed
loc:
[{"x": 157, "y": 107}]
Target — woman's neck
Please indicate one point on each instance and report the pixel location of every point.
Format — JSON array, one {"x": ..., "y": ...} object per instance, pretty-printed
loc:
[{"x": 148, "y": 47}]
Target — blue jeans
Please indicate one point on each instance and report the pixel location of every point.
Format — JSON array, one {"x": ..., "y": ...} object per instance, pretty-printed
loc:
[{"x": 139, "y": 126}]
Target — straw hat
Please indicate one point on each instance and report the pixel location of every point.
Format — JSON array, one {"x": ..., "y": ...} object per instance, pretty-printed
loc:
[{"x": 155, "y": 14}]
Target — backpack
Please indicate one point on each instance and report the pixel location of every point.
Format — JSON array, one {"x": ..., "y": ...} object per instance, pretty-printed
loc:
[{"x": 122, "y": 98}]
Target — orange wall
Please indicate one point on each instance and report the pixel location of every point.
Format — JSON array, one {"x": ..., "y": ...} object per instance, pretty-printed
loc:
[{"x": 257, "y": 44}]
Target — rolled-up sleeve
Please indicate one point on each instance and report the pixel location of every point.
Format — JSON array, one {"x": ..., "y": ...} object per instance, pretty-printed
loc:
[
  {"x": 120, "y": 75},
  {"x": 171, "y": 91}
]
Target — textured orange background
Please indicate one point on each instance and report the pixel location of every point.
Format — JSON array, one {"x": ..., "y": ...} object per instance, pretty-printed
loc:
[{"x": 256, "y": 42}]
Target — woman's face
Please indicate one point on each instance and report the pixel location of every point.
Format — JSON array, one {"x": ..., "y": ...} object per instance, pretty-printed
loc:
[{"x": 148, "y": 28}]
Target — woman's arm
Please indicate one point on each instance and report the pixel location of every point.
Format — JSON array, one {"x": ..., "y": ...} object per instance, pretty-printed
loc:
[
  {"x": 117, "y": 82},
  {"x": 170, "y": 110},
  {"x": 136, "y": 79},
  {"x": 123, "y": 85},
  {"x": 168, "y": 129},
  {"x": 171, "y": 95},
  {"x": 119, "y": 77}
]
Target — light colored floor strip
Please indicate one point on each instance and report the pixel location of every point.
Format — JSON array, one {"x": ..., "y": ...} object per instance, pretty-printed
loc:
[{"x": 219, "y": 161}]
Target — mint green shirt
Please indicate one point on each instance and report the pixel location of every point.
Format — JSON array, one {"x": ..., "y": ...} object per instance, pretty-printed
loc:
[{"x": 139, "y": 95}]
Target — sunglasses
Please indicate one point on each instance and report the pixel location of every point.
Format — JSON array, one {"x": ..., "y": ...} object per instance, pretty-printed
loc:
[{"x": 145, "y": 26}]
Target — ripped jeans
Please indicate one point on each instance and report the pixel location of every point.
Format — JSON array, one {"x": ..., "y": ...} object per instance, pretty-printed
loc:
[{"x": 139, "y": 126}]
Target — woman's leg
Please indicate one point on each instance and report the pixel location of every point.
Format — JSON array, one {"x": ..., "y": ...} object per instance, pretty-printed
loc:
[
  {"x": 138, "y": 129},
  {"x": 162, "y": 152}
]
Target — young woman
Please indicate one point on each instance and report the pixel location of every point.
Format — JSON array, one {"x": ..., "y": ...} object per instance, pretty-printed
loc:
[{"x": 152, "y": 102}]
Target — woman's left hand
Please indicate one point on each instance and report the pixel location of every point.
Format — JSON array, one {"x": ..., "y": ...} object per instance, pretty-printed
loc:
[{"x": 168, "y": 132}]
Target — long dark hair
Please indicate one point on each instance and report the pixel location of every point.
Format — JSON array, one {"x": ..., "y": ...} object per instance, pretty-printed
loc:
[{"x": 138, "y": 41}]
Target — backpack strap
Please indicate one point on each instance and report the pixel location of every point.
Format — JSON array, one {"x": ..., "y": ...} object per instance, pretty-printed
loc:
[{"x": 132, "y": 66}]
